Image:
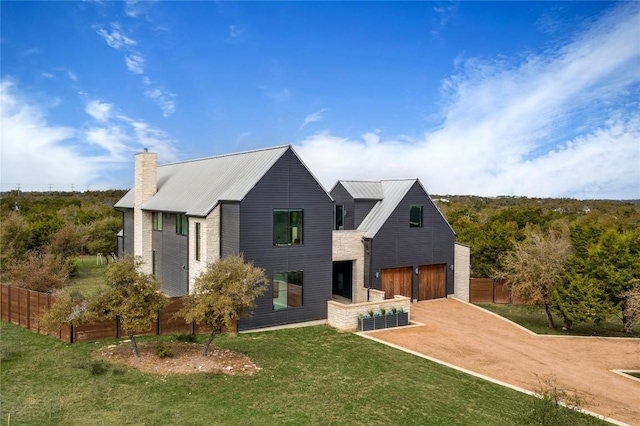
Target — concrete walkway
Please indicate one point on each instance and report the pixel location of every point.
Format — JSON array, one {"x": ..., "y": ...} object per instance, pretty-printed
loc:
[{"x": 471, "y": 338}]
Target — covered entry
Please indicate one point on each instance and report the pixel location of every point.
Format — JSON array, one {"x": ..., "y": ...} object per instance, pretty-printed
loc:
[
  {"x": 343, "y": 278},
  {"x": 396, "y": 281},
  {"x": 432, "y": 282}
]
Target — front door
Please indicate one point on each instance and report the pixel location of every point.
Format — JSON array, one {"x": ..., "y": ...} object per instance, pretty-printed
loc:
[{"x": 342, "y": 278}]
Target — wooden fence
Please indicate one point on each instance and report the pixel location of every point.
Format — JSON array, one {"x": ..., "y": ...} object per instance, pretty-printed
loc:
[
  {"x": 487, "y": 290},
  {"x": 24, "y": 308}
]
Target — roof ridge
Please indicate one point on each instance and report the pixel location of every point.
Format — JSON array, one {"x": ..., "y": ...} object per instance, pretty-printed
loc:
[{"x": 231, "y": 154}]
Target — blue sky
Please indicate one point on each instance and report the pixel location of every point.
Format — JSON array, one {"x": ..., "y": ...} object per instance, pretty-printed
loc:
[{"x": 484, "y": 98}]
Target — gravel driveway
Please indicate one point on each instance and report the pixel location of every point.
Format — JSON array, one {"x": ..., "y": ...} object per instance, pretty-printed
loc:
[{"x": 472, "y": 338}]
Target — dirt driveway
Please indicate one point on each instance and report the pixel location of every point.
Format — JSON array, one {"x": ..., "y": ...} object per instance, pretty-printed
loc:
[{"x": 466, "y": 336}]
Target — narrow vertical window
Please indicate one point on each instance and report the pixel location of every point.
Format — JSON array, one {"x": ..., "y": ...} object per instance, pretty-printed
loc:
[
  {"x": 287, "y": 227},
  {"x": 339, "y": 217},
  {"x": 157, "y": 221},
  {"x": 197, "y": 241},
  {"x": 154, "y": 263},
  {"x": 182, "y": 225},
  {"x": 415, "y": 217}
]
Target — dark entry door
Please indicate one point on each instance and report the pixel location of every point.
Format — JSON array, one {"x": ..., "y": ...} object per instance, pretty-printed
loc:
[
  {"x": 396, "y": 281},
  {"x": 342, "y": 278},
  {"x": 432, "y": 282}
]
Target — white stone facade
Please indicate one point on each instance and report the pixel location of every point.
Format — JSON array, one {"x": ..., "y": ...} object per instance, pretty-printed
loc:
[
  {"x": 209, "y": 243},
  {"x": 347, "y": 245},
  {"x": 145, "y": 186},
  {"x": 462, "y": 271}
]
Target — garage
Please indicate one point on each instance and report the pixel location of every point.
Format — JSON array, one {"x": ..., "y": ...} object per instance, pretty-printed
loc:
[
  {"x": 432, "y": 282},
  {"x": 395, "y": 281}
]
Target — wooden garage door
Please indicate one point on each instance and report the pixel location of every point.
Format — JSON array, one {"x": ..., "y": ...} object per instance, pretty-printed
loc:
[
  {"x": 396, "y": 281},
  {"x": 432, "y": 282}
]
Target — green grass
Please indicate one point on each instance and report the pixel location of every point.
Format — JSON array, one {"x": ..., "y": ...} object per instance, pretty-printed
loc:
[
  {"x": 89, "y": 278},
  {"x": 533, "y": 318},
  {"x": 309, "y": 376}
]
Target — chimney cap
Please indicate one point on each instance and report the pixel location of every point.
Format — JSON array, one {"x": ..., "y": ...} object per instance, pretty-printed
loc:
[{"x": 146, "y": 150}]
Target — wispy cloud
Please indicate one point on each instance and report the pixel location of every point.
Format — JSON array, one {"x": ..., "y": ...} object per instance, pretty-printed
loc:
[
  {"x": 275, "y": 95},
  {"x": 163, "y": 99},
  {"x": 131, "y": 8},
  {"x": 61, "y": 155},
  {"x": 135, "y": 63},
  {"x": 444, "y": 12},
  {"x": 564, "y": 122},
  {"x": 313, "y": 117},
  {"x": 114, "y": 37}
]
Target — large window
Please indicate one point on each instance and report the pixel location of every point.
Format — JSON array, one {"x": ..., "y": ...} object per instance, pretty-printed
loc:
[
  {"x": 157, "y": 221},
  {"x": 197, "y": 241},
  {"x": 182, "y": 225},
  {"x": 287, "y": 290},
  {"x": 415, "y": 217},
  {"x": 339, "y": 217},
  {"x": 287, "y": 227}
]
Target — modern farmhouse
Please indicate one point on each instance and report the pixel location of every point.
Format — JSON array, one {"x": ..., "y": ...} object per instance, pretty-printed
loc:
[{"x": 265, "y": 204}]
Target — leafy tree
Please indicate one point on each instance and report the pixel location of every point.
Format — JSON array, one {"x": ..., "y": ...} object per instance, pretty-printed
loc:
[
  {"x": 534, "y": 268},
  {"x": 132, "y": 298},
  {"x": 101, "y": 235},
  {"x": 69, "y": 309},
  {"x": 44, "y": 272},
  {"x": 15, "y": 238},
  {"x": 223, "y": 293},
  {"x": 67, "y": 241},
  {"x": 578, "y": 298}
]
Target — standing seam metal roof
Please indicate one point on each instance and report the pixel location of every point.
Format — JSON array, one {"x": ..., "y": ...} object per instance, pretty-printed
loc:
[{"x": 195, "y": 187}]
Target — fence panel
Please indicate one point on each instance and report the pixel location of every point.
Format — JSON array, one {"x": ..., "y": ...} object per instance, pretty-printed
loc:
[
  {"x": 5, "y": 308},
  {"x": 481, "y": 290},
  {"x": 502, "y": 294},
  {"x": 97, "y": 330},
  {"x": 169, "y": 324}
]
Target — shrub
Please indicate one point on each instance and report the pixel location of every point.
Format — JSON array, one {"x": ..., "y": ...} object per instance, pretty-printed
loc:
[
  {"x": 163, "y": 350},
  {"x": 184, "y": 337},
  {"x": 554, "y": 405}
]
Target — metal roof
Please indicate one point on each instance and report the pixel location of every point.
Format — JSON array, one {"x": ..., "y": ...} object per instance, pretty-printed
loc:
[
  {"x": 195, "y": 187},
  {"x": 389, "y": 194},
  {"x": 392, "y": 192}
]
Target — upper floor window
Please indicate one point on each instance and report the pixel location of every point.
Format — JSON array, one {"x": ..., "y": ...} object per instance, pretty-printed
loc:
[
  {"x": 198, "y": 241},
  {"x": 287, "y": 227},
  {"x": 415, "y": 217},
  {"x": 339, "y": 217},
  {"x": 182, "y": 225},
  {"x": 157, "y": 221}
]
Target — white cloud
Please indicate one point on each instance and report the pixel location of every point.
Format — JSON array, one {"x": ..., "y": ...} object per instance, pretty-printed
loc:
[
  {"x": 115, "y": 38},
  {"x": 34, "y": 152},
  {"x": 47, "y": 74},
  {"x": 135, "y": 63},
  {"x": 131, "y": 8},
  {"x": 72, "y": 76},
  {"x": 98, "y": 110},
  {"x": 564, "y": 122},
  {"x": 313, "y": 117},
  {"x": 164, "y": 99}
]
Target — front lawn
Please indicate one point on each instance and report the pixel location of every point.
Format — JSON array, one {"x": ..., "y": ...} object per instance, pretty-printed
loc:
[
  {"x": 533, "y": 318},
  {"x": 309, "y": 375}
]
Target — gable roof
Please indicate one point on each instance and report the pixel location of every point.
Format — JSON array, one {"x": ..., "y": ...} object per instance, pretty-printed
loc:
[
  {"x": 389, "y": 194},
  {"x": 195, "y": 187}
]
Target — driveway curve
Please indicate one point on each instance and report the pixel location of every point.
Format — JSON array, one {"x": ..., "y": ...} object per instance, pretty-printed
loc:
[{"x": 475, "y": 339}]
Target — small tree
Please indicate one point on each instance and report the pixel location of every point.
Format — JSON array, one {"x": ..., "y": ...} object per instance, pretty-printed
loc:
[
  {"x": 534, "y": 267},
  {"x": 223, "y": 293},
  {"x": 132, "y": 298},
  {"x": 15, "y": 239},
  {"x": 39, "y": 272},
  {"x": 68, "y": 309}
]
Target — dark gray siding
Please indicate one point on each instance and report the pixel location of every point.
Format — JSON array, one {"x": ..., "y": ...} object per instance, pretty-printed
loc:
[
  {"x": 342, "y": 197},
  {"x": 127, "y": 227},
  {"x": 288, "y": 184},
  {"x": 398, "y": 245},
  {"x": 173, "y": 255},
  {"x": 229, "y": 229},
  {"x": 362, "y": 209}
]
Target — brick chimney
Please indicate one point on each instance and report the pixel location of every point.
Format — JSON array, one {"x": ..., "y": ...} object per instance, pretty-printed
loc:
[{"x": 145, "y": 186}]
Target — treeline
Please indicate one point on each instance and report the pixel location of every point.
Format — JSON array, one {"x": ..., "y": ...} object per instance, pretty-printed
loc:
[
  {"x": 580, "y": 259},
  {"x": 42, "y": 233}
]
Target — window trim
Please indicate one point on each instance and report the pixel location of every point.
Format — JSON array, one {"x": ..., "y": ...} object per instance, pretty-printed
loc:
[
  {"x": 339, "y": 217},
  {"x": 421, "y": 223},
  {"x": 198, "y": 241},
  {"x": 154, "y": 263},
  {"x": 290, "y": 240}
]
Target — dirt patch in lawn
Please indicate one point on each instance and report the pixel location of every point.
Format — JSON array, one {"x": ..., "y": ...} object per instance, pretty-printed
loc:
[{"x": 187, "y": 359}]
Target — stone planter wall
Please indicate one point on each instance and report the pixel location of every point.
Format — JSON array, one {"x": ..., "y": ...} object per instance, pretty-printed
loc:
[{"x": 345, "y": 317}]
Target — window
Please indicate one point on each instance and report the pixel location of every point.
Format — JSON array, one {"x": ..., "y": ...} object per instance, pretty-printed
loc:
[
  {"x": 197, "y": 241},
  {"x": 415, "y": 217},
  {"x": 154, "y": 263},
  {"x": 182, "y": 226},
  {"x": 157, "y": 221},
  {"x": 339, "y": 217},
  {"x": 287, "y": 227},
  {"x": 287, "y": 290}
]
